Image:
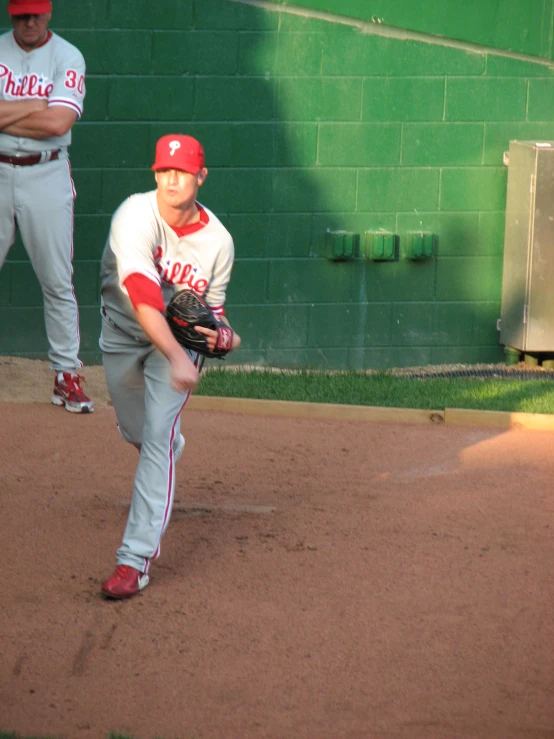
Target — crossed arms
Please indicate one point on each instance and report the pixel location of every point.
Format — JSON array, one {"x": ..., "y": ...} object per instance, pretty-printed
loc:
[{"x": 34, "y": 119}]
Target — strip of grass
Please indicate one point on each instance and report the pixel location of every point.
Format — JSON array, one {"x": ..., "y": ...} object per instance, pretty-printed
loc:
[{"x": 382, "y": 389}]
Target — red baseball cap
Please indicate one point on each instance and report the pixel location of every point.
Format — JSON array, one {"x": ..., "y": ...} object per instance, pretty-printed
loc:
[
  {"x": 29, "y": 7},
  {"x": 176, "y": 151}
]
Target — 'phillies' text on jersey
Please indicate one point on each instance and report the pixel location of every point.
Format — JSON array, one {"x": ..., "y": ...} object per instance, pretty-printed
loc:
[{"x": 177, "y": 273}]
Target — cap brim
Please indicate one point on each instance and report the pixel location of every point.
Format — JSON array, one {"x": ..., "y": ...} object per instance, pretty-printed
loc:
[{"x": 161, "y": 165}]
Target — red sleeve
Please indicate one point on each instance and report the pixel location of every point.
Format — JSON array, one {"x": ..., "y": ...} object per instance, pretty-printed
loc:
[{"x": 143, "y": 290}]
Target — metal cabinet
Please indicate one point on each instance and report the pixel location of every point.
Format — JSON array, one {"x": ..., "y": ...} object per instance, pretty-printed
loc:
[{"x": 527, "y": 312}]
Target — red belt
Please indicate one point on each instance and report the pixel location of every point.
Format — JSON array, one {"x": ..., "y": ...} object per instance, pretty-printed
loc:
[{"x": 29, "y": 160}]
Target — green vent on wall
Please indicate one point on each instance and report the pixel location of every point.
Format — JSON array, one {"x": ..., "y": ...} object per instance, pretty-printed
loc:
[
  {"x": 342, "y": 245},
  {"x": 381, "y": 246},
  {"x": 419, "y": 245}
]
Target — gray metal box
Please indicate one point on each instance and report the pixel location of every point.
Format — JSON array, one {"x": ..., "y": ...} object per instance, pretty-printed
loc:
[{"x": 527, "y": 312}]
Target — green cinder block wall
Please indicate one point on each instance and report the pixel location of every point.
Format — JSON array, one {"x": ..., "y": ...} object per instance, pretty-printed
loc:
[
  {"x": 310, "y": 126},
  {"x": 523, "y": 26}
]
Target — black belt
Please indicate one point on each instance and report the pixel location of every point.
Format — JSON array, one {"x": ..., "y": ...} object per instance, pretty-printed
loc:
[{"x": 28, "y": 161}]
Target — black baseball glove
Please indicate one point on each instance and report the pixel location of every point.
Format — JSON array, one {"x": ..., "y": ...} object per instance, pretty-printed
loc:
[{"x": 187, "y": 309}]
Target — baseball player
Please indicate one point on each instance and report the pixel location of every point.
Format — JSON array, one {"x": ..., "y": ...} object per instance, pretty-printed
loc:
[
  {"x": 42, "y": 88},
  {"x": 159, "y": 242}
]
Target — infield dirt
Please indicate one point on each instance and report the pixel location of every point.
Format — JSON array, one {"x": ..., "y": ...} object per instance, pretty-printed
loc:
[{"x": 318, "y": 580}]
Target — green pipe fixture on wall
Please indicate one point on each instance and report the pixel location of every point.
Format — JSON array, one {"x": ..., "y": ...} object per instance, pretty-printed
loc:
[{"x": 378, "y": 246}]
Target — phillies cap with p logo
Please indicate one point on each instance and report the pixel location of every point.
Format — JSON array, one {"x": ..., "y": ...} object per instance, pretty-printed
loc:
[
  {"x": 176, "y": 151},
  {"x": 29, "y": 7}
]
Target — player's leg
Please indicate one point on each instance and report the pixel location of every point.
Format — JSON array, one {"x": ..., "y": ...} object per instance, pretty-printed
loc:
[
  {"x": 44, "y": 197},
  {"x": 123, "y": 368},
  {"x": 155, "y": 477},
  {"x": 123, "y": 360},
  {"x": 134, "y": 397},
  {"x": 7, "y": 217}
]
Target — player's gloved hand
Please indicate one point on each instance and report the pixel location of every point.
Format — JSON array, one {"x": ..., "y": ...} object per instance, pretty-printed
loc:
[
  {"x": 212, "y": 338},
  {"x": 188, "y": 311},
  {"x": 184, "y": 375}
]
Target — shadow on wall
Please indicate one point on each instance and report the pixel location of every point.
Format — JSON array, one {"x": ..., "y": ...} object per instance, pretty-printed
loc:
[
  {"x": 213, "y": 69},
  {"x": 261, "y": 136},
  {"x": 281, "y": 248}
]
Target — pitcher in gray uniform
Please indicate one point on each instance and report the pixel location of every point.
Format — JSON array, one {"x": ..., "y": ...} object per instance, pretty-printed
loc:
[
  {"x": 42, "y": 88},
  {"x": 159, "y": 242}
]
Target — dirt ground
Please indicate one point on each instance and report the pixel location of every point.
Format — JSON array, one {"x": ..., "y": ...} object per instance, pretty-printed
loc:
[{"x": 318, "y": 580}]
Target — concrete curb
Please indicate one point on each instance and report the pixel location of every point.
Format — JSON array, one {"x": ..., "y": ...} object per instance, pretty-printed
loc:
[
  {"x": 499, "y": 419},
  {"x": 336, "y": 412}
]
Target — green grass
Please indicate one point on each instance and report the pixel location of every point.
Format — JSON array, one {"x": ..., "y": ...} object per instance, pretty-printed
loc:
[{"x": 382, "y": 389}]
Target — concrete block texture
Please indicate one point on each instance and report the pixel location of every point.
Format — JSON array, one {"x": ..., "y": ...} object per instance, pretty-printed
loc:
[{"x": 311, "y": 126}]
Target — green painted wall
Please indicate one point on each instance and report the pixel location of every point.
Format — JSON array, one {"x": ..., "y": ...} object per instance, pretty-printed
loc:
[
  {"x": 523, "y": 26},
  {"x": 309, "y": 126}
]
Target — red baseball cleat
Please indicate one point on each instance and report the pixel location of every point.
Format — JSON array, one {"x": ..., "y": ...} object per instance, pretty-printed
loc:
[
  {"x": 125, "y": 582},
  {"x": 68, "y": 392}
]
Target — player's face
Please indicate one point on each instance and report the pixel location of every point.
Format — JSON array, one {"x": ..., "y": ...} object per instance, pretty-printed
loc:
[
  {"x": 179, "y": 189},
  {"x": 31, "y": 30}
]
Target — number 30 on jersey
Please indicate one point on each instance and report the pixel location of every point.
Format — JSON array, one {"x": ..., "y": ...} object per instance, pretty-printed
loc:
[{"x": 74, "y": 81}]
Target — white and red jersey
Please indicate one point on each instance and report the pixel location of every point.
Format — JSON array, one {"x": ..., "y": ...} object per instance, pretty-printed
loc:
[
  {"x": 54, "y": 71},
  {"x": 141, "y": 242}
]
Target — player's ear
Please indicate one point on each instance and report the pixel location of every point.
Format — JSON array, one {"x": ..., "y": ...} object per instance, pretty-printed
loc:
[{"x": 201, "y": 176}]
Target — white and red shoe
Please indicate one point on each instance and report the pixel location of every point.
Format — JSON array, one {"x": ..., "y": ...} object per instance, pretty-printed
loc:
[
  {"x": 125, "y": 582},
  {"x": 69, "y": 393}
]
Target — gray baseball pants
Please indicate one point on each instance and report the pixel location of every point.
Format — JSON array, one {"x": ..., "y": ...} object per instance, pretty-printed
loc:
[
  {"x": 148, "y": 413},
  {"x": 39, "y": 199}
]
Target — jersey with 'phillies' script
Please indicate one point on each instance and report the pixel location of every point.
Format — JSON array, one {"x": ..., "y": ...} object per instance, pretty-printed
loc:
[
  {"x": 141, "y": 242},
  {"x": 54, "y": 71}
]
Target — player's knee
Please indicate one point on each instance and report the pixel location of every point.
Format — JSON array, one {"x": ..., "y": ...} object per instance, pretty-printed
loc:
[{"x": 128, "y": 437}]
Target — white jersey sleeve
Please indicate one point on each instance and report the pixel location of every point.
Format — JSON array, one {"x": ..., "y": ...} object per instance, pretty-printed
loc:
[
  {"x": 133, "y": 238},
  {"x": 215, "y": 294},
  {"x": 68, "y": 78}
]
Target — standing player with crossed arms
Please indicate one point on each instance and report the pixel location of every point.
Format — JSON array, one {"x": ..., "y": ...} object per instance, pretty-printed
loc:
[
  {"x": 42, "y": 88},
  {"x": 160, "y": 242}
]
